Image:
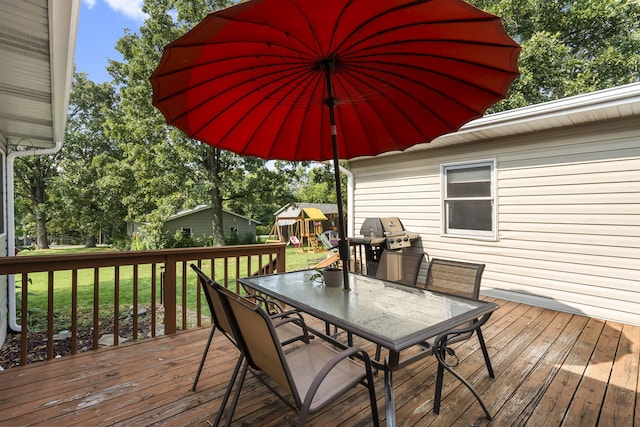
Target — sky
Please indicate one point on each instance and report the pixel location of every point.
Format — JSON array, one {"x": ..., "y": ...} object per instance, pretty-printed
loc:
[{"x": 102, "y": 23}]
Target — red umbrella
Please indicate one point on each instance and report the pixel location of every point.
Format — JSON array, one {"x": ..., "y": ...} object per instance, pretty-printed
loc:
[{"x": 333, "y": 79}]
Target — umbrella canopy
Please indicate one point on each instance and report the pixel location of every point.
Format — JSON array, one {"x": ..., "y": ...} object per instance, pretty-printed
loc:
[{"x": 333, "y": 79}]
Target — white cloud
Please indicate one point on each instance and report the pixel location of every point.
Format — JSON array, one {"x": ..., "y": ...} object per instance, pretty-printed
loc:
[
  {"x": 130, "y": 8},
  {"x": 89, "y": 3}
]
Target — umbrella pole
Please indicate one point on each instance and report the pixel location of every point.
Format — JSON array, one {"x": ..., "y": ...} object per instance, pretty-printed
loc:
[{"x": 343, "y": 243}]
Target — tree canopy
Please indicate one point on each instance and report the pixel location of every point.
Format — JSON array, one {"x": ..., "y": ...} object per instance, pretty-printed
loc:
[{"x": 569, "y": 47}]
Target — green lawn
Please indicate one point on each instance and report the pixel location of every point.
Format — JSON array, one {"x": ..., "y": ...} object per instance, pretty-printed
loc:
[{"x": 38, "y": 292}]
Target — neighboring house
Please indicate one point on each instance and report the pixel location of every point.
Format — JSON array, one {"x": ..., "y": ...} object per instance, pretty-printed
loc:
[
  {"x": 37, "y": 44},
  {"x": 196, "y": 223},
  {"x": 547, "y": 196}
]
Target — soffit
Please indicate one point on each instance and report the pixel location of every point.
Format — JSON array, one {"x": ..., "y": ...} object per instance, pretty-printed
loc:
[{"x": 37, "y": 42}]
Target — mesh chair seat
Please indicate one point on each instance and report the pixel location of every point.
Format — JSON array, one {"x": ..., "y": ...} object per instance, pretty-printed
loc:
[{"x": 306, "y": 362}]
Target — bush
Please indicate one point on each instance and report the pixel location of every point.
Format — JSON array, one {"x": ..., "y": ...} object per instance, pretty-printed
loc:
[
  {"x": 263, "y": 229},
  {"x": 180, "y": 240}
]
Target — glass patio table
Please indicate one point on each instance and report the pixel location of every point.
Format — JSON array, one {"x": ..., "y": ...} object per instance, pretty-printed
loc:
[{"x": 393, "y": 316}]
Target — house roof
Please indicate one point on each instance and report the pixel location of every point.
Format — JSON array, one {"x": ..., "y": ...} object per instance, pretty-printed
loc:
[
  {"x": 37, "y": 45},
  {"x": 293, "y": 210},
  {"x": 615, "y": 103},
  {"x": 200, "y": 208}
]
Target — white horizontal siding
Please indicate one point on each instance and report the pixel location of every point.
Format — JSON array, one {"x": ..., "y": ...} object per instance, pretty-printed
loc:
[{"x": 568, "y": 206}]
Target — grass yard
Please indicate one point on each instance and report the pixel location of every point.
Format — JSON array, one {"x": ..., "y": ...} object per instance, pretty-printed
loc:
[{"x": 62, "y": 292}]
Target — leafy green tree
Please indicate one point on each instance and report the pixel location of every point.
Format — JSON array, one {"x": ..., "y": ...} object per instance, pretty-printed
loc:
[
  {"x": 167, "y": 170},
  {"x": 33, "y": 177},
  {"x": 89, "y": 187},
  {"x": 317, "y": 185},
  {"x": 569, "y": 46}
]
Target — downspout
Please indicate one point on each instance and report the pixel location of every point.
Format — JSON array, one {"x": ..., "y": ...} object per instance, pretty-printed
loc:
[
  {"x": 11, "y": 227},
  {"x": 350, "y": 201}
]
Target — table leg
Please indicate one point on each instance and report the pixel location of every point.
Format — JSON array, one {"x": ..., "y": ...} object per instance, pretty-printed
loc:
[{"x": 388, "y": 396}]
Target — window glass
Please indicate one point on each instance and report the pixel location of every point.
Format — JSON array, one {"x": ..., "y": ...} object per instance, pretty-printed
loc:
[{"x": 468, "y": 199}]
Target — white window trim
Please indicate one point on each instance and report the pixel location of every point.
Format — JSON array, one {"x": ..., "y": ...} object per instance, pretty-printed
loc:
[{"x": 463, "y": 233}]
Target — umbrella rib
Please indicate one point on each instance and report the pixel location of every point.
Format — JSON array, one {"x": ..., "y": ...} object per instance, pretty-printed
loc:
[
  {"x": 428, "y": 70},
  {"x": 379, "y": 34},
  {"x": 339, "y": 82},
  {"x": 288, "y": 60},
  {"x": 247, "y": 113},
  {"x": 368, "y": 21},
  {"x": 298, "y": 146},
  {"x": 221, "y": 15},
  {"x": 227, "y": 89},
  {"x": 419, "y": 101}
]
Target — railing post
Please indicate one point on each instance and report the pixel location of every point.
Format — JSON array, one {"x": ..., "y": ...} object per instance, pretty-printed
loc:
[
  {"x": 170, "y": 295},
  {"x": 281, "y": 262}
]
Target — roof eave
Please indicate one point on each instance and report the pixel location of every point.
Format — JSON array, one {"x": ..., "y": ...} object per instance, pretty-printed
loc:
[
  {"x": 608, "y": 104},
  {"x": 63, "y": 32}
]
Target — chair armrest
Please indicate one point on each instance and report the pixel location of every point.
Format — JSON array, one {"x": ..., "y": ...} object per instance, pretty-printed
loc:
[
  {"x": 266, "y": 303},
  {"x": 332, "y": 363}
]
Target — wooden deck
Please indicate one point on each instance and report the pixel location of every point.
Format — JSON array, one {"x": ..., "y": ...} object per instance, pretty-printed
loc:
[{"x": 551, "y": 369}]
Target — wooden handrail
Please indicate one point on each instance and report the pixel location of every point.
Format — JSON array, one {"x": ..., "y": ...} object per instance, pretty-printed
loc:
[{"x": 271, "y": 258}]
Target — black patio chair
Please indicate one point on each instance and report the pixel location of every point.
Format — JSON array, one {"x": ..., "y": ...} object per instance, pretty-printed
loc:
[{"x": 313, "y": 374}]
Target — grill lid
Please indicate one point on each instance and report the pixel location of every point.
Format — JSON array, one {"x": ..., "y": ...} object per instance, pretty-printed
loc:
[{"x": 381, "y": 227}]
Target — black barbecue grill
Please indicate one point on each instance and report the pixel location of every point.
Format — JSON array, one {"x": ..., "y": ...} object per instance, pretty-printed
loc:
[{"x": 378, "y": 234}]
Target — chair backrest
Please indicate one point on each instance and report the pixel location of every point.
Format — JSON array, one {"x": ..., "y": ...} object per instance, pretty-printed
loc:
[
  {"x": 258, "y": 339},
  {"x": 399, "y": 267},
  {"x": 218, "y": 314},
  {"x": 455, "y": 277}
]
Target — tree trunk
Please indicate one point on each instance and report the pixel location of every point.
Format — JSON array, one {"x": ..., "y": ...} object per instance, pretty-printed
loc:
[
  {"x": 213, "y": 167},
  {"x": 42, "y": 235},
  {"x": 90, "y": 241}
]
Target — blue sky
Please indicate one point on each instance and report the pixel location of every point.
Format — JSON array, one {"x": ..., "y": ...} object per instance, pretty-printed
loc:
[{"x": 102, "y": 23}]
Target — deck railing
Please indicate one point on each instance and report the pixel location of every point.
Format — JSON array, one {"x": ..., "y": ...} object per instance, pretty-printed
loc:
[{"x": 117, "y": 282}]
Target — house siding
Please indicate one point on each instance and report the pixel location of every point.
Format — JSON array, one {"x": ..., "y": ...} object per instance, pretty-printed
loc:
[
  {"x": 568, "y": 214},
  {"x": 200, "y": 224}
]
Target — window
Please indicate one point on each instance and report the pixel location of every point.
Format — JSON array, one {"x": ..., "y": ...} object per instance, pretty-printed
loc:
[
  {"x": 468, "y": 199},
  {"x": 186, "y": 231},
  {"x": 233, "y": 232}
]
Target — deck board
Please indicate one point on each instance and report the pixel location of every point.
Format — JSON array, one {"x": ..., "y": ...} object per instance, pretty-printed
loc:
[{"x": 551, "y": 368}]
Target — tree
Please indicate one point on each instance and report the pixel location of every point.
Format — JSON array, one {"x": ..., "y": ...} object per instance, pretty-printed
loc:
[
  {"x": 318, "y": 186},
  {"x": 569, "y": 46},
  {"x": 168, "y": 170},
  {"x": 89, "y": 186},
  {"x": 33, "y": 176}
]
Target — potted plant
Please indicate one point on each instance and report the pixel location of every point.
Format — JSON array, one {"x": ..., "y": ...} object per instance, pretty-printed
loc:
[{"x": 332, "y": 276}]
